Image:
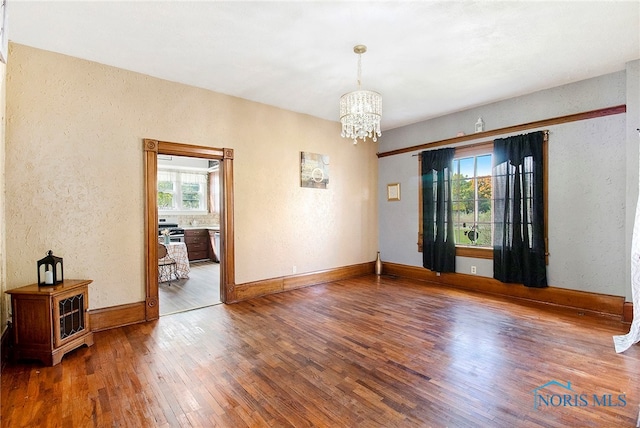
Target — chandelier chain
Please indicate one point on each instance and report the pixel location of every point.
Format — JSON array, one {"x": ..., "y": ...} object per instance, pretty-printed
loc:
[{"x": 359, "y": 70}]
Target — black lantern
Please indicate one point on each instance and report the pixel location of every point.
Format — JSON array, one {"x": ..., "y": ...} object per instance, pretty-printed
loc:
[{"x": 50, "y": 271}]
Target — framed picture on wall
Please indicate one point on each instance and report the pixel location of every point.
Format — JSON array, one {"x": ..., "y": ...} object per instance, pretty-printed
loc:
[
  {"x": 393, "y": 192},
  {"x": 314, "y": 170}
]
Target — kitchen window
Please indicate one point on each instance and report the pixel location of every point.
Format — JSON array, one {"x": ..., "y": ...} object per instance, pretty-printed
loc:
[{"x": 182, "y": 192}]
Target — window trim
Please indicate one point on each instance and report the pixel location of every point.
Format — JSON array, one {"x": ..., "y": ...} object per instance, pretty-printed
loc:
[{"x": 474, "y": 252}]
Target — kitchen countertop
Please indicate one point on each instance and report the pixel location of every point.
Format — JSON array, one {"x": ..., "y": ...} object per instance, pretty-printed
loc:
[{"x": 217, "y": 228}]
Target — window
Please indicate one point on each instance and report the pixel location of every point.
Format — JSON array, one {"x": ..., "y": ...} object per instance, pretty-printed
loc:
[
  {"x": 471, "y": 197},
  {"x": 180, "y": 191},
  {"x": 472, "y": 200}
]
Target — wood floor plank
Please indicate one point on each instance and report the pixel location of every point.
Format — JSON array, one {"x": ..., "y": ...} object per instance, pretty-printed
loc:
[
  {"x": 370, "y": 351},
  {"x": 201, "y": 289}
]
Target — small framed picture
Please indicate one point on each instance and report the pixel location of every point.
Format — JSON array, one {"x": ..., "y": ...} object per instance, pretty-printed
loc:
[
  {"x": 314, "y": 170},
  {"x": 393, "y": 192}
]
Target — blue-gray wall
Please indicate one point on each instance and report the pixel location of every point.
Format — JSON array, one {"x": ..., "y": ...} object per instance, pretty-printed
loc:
[{"x": 593, "y": 180}]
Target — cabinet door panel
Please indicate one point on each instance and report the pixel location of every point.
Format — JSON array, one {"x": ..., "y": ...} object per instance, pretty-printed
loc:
[{"x": 69, "y": 316}]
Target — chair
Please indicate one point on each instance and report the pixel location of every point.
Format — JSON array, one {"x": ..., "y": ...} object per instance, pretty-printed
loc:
[{"x": 166, "y": 264}]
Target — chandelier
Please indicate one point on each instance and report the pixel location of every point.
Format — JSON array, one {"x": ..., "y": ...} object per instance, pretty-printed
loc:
[{"x": 360, "y": 111}]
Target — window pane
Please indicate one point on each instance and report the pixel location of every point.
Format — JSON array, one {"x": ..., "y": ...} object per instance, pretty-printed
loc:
[
  {"x": 484, "y": 195},
  {"x": 190, "y": 204},
  {"x": 190, "y": 196},
  {"x": 165, "y": 191},
  {"x": 472, "y": 201},
  {"x": 466, "y": 167},
  {"x": 484, "y": 235},
  {"x": 484, "y": 165},
  {"x": 190, "y": 188},
  {"x": 165, "y": 201},
  {"x": 164, "y": 186},
  {"x": 467, "y": 195},
  {"x": 193, "y": 186}
]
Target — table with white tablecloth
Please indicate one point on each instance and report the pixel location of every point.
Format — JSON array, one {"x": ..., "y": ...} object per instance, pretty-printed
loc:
[{"x": 178, "y": 252}]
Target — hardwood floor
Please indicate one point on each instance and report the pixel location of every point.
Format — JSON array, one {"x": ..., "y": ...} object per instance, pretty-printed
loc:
[
  {"x": 201, "y": 289},
  {"x": 367, "y": 352}
]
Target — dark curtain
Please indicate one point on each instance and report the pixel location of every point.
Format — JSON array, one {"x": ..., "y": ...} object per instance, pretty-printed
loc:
[
  {"x": 438, "y": 245},
  {"x": 518, "y": 238}
]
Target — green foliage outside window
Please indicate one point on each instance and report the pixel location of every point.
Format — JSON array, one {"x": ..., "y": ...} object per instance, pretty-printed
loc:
[
  {"x": 471, "y": 201},
  {"x": 190, "y": 195},
  {"x": 165, "y": 200},
  {"x": 165, "y": 195}
]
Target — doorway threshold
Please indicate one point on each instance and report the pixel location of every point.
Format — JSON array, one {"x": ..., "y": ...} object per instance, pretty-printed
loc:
[{"x": 191, "y": 309}]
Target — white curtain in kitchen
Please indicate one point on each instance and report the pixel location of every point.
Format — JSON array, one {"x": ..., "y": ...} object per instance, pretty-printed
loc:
[
  {"x": 167, "y": 176},
  {"x": 194, "y": 178},
  {"x": 214, "y": 192}
]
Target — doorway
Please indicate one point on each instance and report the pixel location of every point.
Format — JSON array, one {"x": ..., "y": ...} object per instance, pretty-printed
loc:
[
  {"x": 153, "y": 148},
  {"x": 189, "y": 213}
]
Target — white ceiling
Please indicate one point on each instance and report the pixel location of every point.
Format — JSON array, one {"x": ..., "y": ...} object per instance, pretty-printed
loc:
[{"x": 426, "y": 58}]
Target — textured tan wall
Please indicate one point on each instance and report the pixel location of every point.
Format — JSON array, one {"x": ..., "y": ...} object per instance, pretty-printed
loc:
[
  {"x": 74, "y": 175},
  {"x": 4, "y": 299}
]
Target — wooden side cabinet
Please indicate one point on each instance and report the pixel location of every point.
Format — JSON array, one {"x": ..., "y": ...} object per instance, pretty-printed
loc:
[{"x": 51, "y": 320}]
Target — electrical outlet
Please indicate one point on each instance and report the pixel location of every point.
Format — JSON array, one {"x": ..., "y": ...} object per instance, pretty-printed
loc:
[
  {"x": 473, "y": 270},
  {"x": 294, "y": 269}
]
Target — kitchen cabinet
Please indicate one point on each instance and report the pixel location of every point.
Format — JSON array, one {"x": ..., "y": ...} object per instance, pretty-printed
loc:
[
  {"x": 197, "y": 241},
  {"x": 50, "y": 320}
]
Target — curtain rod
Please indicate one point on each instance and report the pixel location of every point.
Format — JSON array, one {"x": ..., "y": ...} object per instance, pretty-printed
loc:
[
  {"x": 468, "y": 146},
  {"x": 509, "y": 129}
]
